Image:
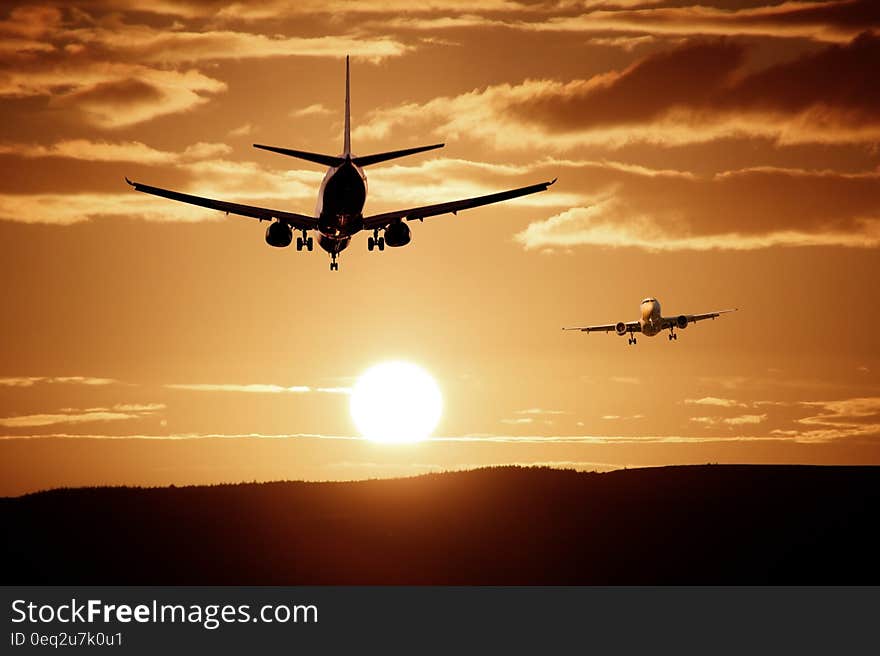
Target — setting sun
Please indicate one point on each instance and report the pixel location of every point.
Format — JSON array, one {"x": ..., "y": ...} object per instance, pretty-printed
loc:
[{"x": 396, "y": 402}]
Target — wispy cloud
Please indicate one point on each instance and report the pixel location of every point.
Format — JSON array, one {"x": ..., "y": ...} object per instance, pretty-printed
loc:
[
  {"x": 113, "y": 73},
  {"x": 29, "y": 381},
  {"x": 257, "y": 388},
  {"x": 788, "y": 207},
  {"x": 88, "y": 415},
  {"x": 739, "y": 420},
  {"x": 121, "y": 151},
  {"x": 839, "y": 419},
  {"x": 242, "y": 130},
  {"x": 696, "y": 92},
  {"x": 822, "y": 20},
  {"x": 249, "y": 389},
  {"x": 312, "y": 110},
  {"x": 626, "y": 380},
  {"x": 541, "y": 411},
  {"x": 509, "y": 439},
  {"x": 715, "y": 401}
]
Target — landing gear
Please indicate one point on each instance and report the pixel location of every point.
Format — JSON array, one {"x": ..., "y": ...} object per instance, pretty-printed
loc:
[
  {"x": 632, "y": 339},
  {"x": 672, "y": 335},
  {"x": 376, "y": 241},
  {"x": 334, "y": 265},
  {"x": 304, "y": 241}
]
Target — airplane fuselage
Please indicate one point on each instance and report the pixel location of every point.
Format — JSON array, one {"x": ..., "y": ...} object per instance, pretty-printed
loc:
[
  {"x": 340, "y": 208},
  {"x": 651, "y": 319}
]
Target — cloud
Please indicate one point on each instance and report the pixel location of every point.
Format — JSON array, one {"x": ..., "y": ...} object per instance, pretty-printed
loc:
[
  {"x": 227, "y": 10},
  {"x": 518, "y": 421},
  {"x": 699, "y": 91},
  {"x": 242, "y": 130},
  {"x": 31, "y": 22},
  {"x": 29, "y": 381},
  {"x": 507, "y": 439},
  {"x": 744, "y": 209},
  {"x": 258, "y": 388},
  {"x": 74, "y": 416},
  {"x": 740, "y": 420},
  {"x": 828, "y": 20},
  {"x": 32, "y": 421},
  {"x": 115, "y": 74},
  {"x": 215, "y": 178},
  {"x": 541, "y": 411},
  {"x": 145, "y": 43},
  {"x": 118, "y": 103},
  {"x": 333, "y": 390},
  {"x": 67, "y": 209},
  {"x": 838, "y": 419},
  {"x": 715, "y": 401},
  {"x": 250, "y": 389},
  {"x": 120, "y": 151},
  {"x": 139, "y": 407},
  {"x": 312, "y": 110}
]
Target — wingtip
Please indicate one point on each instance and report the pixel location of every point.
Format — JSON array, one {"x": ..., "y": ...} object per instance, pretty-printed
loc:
[
  {"x": 128, "y": 181},
  {"x": 552, "y": 182}
]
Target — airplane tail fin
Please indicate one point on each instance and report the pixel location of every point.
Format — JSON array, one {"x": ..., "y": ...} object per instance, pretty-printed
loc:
[
  {"x": 346, "y": 145},
  {"x": 331, "y": 160},
  {"x": 366, "y": 160}
]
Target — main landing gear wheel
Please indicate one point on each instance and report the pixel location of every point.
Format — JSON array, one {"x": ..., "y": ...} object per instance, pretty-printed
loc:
[
  {"x": 306, "y": 242},
  {"x": 672, "y": 336},
  {"x": 632, "y": 340},
  {"x": 376, "y": 242}
]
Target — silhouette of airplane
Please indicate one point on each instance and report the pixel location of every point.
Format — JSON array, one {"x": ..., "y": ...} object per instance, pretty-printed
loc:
[
  {"x": 651, "y": 323},
  {"x": 339, "y": 213}
]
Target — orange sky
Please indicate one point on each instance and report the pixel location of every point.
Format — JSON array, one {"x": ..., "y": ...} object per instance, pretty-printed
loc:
[{"x": 715, "y": 156}]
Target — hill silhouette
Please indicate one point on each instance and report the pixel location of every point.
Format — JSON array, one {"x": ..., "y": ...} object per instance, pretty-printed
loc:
[{"x": 713, "y": 524}]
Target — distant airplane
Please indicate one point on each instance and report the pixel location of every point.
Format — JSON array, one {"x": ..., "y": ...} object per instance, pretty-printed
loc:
[
  {"x": 339, "y": 213},
  {"x": 651, "y": 323}
]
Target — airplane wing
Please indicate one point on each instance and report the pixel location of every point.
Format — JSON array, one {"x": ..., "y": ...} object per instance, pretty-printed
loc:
[
  {"x": 631, "y": 327},
  {"x": 693, "y": 318},
  {"x": 382, "y": 220},
  {"x": 297, "y": 221}
]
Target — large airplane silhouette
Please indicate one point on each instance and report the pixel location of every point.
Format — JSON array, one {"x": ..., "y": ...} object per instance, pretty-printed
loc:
[{"x": 339, "y": 213}]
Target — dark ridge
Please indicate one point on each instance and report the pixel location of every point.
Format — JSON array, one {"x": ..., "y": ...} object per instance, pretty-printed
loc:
[{"x": 712, "y": 524}]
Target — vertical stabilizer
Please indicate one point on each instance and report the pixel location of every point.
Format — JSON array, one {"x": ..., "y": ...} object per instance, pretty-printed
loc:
[{"x": 346, "y": 147}]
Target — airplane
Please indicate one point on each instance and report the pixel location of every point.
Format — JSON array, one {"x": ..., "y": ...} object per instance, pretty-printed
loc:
[
  {"x": 339, "y": 212},
  {"x": 651, "y": 323}
]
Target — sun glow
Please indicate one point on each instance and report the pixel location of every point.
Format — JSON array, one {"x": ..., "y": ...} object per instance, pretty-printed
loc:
[{"x": 396, "y": 402}]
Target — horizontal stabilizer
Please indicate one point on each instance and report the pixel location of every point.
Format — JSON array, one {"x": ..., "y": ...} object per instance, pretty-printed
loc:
[
  {"x": 326, "y": 160},
  {"x": 366, "y": 160}
]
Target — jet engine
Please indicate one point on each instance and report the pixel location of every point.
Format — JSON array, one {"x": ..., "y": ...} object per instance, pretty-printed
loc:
[
  {"x": 620, "y": 327},
  {"x": 397, "y": 234},
  {"x": 279, "y": 234},
  {"x": 681, "y": 321}
]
